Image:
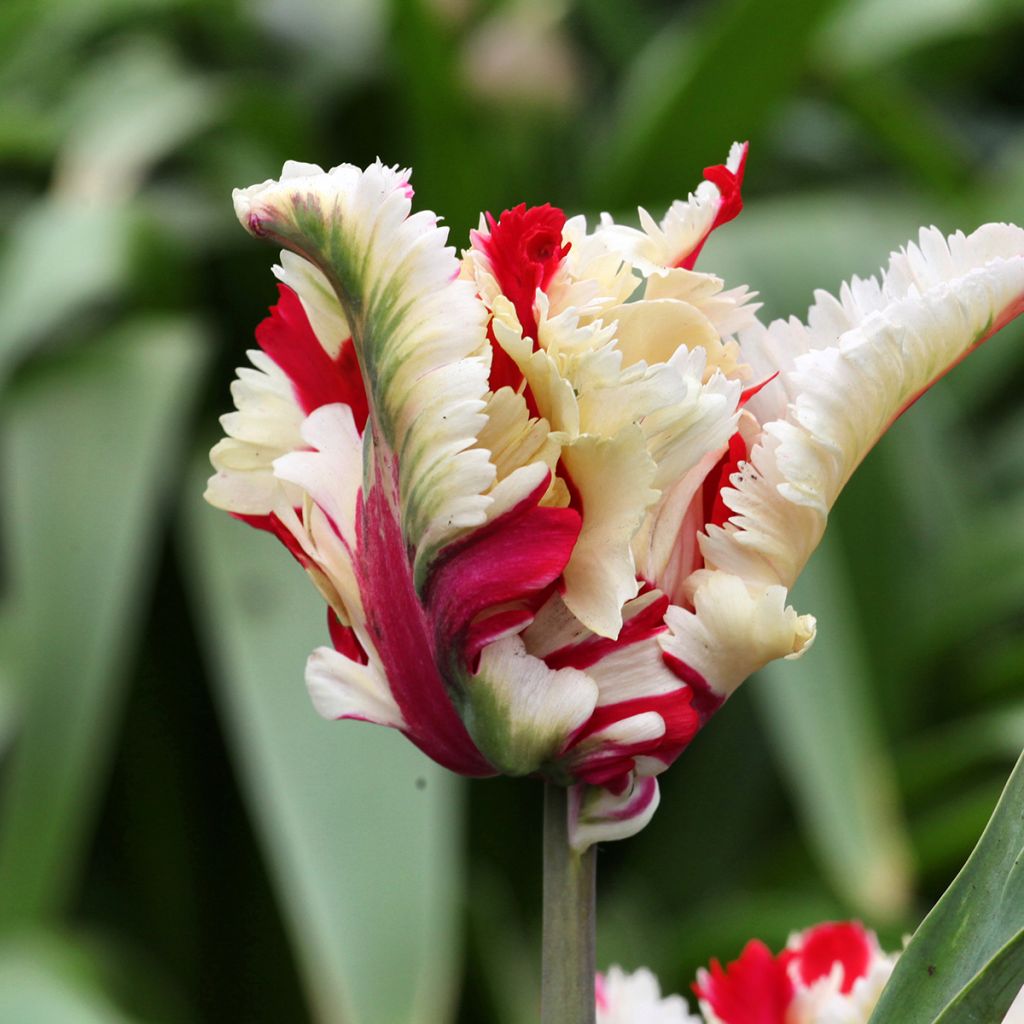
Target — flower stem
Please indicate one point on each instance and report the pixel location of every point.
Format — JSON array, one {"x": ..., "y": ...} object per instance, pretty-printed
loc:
[{"x": 568, "y": 962}]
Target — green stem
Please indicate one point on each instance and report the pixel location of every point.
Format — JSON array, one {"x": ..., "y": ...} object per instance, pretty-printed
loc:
[{"x": 567, "y": 970}]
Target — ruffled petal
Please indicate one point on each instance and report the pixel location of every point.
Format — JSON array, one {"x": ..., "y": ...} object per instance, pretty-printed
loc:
[
  {"x": 598, "y": 815},
  {"x": 419, "y": 335},
  {"x": 678, "y": 239},
  {"x": 753, "y": 989},
  {"x": 731, "y": 633},
  {"x": 636, "y": 999},
  {"x": 865, "y": 358},
  {"x": 519, "y": 711}
]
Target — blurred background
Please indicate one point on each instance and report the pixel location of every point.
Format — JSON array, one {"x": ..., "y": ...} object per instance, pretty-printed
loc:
[{"x": 181, "y": 839}]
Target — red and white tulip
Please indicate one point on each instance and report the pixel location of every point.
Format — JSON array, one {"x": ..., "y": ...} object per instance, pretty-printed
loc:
[
  {"x": 832, "y": 973},
  {"x": 555, "y": 493}
]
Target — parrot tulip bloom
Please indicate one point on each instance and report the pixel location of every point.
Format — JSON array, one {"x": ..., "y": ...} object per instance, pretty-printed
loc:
[
  {"x": 832, "y": 973},
  {"x": 555, "y": 493}
]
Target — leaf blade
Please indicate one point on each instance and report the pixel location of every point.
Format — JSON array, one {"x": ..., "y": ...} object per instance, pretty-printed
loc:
[{"x": 361, "y": 830}]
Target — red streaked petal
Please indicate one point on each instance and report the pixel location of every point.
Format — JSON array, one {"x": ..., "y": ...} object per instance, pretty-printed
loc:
[
  {"x": 704, "y": 700},
  {"x": 820, "y": 948},
  {"x": 753, "y": 989},
  {"x": 515, "y": 557},
  {"x": 647, "y": 623},
  {"x": 344, "y": 639},
  {"x": 406, "y": 641},
  {"x": 602, "y": 813},
  {"x": 729, "y": 184},
  {"x": 751, "y": 392},
  {"x": 317, "y": 377},
  {"x": 716, "y": 512},
  {"x": 611, "y": 760}
]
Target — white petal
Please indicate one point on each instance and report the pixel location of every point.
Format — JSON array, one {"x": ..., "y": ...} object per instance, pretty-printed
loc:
[
  {"x": 597, "y": 815},
  {"x": 520, "y": 712},
  {"x": 863, "y": 360},
  {"x": 614, "y": 477},
  {"x": 265, "y": 426},
  {"x": 636, "y": 999},
  {"x": 731, "y": 633},
  {"x": 342, "y": 688}
]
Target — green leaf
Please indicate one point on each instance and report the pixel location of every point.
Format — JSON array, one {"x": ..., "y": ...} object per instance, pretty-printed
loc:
[
  {"x": 965, "y": 963},
  {"x": 48, "y": 981},
  {"x": 126, "y": 112},
  {"x": 687, "y": 102},
  {"x": 827, "y": 739},
  {"x": 362, "y": 832},
  {"x": 59, "y": 258},
  {"x": 996, "y": 986},
  {"x": 869, "y": 34},
  {"x": 89, "y": 450}
]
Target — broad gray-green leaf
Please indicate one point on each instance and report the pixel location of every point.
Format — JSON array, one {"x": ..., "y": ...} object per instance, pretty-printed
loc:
[
  {"x": 362, "y": 832},
  {"x": 42, "y": 982},
  {"x": 129, "y": 110},
  {"x": 973, "y": 930},
  {"x": 875, "y": 33},
  {"x": 90, "y": 445},
  {"x": 59, "y": 258},
  {"x": 827, "y": 740},
  {"x": 993, "y": 990}
]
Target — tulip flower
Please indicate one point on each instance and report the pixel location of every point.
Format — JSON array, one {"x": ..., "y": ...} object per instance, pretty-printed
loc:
[
  {"x": 832, "y": 973},
  {"x": 555, "y": 493}
]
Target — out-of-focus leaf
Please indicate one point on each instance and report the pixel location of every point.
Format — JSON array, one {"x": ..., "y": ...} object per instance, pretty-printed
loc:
[
  {"x": 827, "y": 739},
  {"x": 970, "y": 948},
  {"x": 687, "y": 102},
  {"x": 915, "y": 135},
  {"x": 507, "y": 960},
  {"x": 90, "y": 445},
  {"x": 934, "y": 761},
  {"x": 132, "y": 108},
  {"x": 47, "y": 982},
  {"x": 875, "y": 33},
  {"x": 362, "y": 831},
  {"x": 59, "y": 258},
  {"x": 38, "y": 41},
  {"x": 335, "y": 36}
]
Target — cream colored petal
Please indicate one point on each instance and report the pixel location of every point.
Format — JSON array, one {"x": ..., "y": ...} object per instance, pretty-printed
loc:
[
  {"x": 652, "y": 329},
  {"x": 519, "y": 712},
  {"x": 342, "y": 688},
  {"x": 732, "y": 631},
  {"x": 613, "y": 477},
  {"x": 265, "y": 425},
  {"x": 321, "y": 305},
  {"x": 419, "y": 333}
]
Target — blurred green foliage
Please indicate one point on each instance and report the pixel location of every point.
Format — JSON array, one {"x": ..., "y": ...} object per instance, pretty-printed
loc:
[{"x": 181, "y": 840}]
